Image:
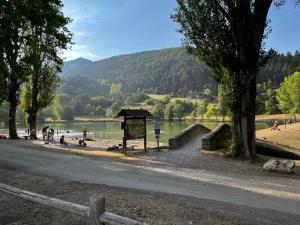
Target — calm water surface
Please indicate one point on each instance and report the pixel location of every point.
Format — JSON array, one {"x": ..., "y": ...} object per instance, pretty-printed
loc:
[{"x": 112, "y": 130}]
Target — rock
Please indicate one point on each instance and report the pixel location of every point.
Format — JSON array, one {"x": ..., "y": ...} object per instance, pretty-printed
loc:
[
  {"x": 286, "y": 166},
  {"x": 270, "y": 165}
]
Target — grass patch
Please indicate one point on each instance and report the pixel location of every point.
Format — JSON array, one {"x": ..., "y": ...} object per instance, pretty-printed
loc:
[
  {"x": 160, "y": 97},
  {"x": 156, "y": 96},
  {"x": 146, "y": 107},
  {"x": 288, "y": 139}
]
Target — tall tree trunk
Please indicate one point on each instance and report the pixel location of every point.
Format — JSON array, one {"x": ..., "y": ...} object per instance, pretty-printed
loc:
[
  {"x": 12, "y": 118},
  {"x": 13, "y": 103},
  {"x": 32, "y": 120},
  {"x": 243, "y": 130}
]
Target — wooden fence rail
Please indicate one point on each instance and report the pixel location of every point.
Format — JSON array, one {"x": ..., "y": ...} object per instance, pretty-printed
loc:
[{"x": 96, "y": 212}]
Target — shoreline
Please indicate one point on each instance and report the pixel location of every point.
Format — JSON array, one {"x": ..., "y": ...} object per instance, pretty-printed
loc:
[{"x": 260, "y": 121}]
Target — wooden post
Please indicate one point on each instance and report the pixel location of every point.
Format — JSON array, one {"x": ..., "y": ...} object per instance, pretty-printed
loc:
[
  {"x": 145, "y": 134},
  {"x": 125, "y": 136},
  {"x": 97, "y": 207},
  {"x": 96, "y": 212}
]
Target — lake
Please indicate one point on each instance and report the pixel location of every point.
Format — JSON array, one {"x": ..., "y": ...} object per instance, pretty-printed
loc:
[{"x": 112, "y": 130}]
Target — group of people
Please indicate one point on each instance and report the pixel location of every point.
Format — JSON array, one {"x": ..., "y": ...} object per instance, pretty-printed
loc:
[
  {"x": 284, "y": 123},
  {"x": 48, "y": 135},
  {"x": 81, "y": 142}
]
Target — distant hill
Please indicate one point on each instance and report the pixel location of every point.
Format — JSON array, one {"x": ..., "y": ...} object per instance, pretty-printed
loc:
[
  {"x": 161, "y": 71},
  {"x": 70, "y": 67}
]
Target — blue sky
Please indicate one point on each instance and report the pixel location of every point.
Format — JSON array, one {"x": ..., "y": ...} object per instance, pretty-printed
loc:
[{"x": 105, "y": 28}]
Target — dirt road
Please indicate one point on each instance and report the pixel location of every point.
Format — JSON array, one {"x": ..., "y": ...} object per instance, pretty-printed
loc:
[{"x": 257, "y": 192}]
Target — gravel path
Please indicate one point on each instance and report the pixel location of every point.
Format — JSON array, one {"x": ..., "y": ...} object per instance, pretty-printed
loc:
[
  {"x": 149, "y": 207},
  {"x": 244, "y": 198}
]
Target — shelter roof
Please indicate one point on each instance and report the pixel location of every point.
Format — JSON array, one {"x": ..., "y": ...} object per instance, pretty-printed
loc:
[{"x": 134, "y": 112}]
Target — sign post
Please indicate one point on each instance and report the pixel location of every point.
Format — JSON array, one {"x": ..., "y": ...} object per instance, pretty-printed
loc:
[
  {"x": 157, "y": 134},
  {"x": 134, "y": 126}
]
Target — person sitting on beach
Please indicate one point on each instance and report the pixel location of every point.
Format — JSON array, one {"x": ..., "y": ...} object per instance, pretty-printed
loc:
[
  {"x": 62, "y": 140},
  {"x": 33, "y": 134},
  {"x": 275, "y": 126},
  {"x": 82, "y": 143}
]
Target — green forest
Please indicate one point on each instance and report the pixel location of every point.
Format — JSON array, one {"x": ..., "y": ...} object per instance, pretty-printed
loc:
[
  {"x": 162, "y": 72},
  {"x": 102, "y": 88}
]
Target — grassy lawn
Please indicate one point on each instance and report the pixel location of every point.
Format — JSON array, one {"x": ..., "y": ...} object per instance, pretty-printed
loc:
[
  {"x": 288, "y": 138},
  {"x": 193, "y": 100},
  {"x": 155, "y": 96},
  {"x": 159, "y": 97},
  {"x": 147, "y": 107}
]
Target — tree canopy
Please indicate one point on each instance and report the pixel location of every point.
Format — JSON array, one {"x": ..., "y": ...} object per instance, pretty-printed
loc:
[
  {"x": 48, "y": 35},
  {"x": 228, "y": 36},
  {"x": 288, "y": 94},
  {"x": 31, "y": 34}
]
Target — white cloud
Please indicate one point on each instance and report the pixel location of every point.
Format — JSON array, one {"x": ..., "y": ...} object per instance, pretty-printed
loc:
[
  {"x": 78, "y": 18},
  {"x": 81, "y": 14},
  {"x": 79, "y": 34},
  {"x": 78, "y": 51}
]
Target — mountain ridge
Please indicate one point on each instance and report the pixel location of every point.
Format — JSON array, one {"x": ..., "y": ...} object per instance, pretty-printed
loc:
[{"x": 170, "y": 70}]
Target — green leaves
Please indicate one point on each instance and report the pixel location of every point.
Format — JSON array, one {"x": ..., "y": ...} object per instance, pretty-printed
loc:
[
  {"x": 288, "y": 94},
  {"x": 48, "y": 35}
]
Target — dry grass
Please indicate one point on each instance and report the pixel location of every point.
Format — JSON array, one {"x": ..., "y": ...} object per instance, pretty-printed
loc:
[
  {"x": 279, "y": 117},
  {"x": 288, "y": 138},
  {"x": 96, "y": 148}
]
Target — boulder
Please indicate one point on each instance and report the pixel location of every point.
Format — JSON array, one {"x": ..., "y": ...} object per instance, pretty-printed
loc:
[{"x": 286, "y": 166}]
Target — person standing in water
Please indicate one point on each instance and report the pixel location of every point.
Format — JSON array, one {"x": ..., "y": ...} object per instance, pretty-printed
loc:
[{"x": 85, "y": 134}]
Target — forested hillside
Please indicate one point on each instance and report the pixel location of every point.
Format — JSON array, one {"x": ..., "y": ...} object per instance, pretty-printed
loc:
[
  {"x": 103, "y": 87},
  {"x": 279, "y": 67},
  {"x": 70, "y": 67},
  {"x": 162, "y": 71}
]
